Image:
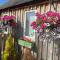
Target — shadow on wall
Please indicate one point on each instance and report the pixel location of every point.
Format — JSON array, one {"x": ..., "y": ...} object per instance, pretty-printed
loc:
[
  {"x": 57, "y": 42},
  {"x": 19, "y": 29},
  {"x": 18, "y": 34}
]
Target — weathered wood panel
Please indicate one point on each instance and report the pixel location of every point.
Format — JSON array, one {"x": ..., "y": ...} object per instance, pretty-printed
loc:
[
  {"x": 47, "y": 49},
  {"x": 43, "y": 8}
]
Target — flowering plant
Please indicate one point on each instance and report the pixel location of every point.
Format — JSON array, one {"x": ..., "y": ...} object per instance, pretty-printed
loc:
[
  {"x": 50, "y": 19},
  {"x": 9, "y": 19}
]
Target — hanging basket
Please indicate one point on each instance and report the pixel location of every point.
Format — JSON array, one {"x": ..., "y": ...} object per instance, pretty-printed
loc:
[{"x": 45, "y": 21}]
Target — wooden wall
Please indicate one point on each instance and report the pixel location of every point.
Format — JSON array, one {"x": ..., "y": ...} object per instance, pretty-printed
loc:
[{"x": 19, "y": 13}]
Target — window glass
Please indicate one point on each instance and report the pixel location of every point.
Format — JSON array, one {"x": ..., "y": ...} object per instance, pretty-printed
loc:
[{"x": 30, "y": 17}]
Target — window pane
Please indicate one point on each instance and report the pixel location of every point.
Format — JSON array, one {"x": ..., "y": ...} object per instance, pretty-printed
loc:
[{"x": 30, "y": 16}]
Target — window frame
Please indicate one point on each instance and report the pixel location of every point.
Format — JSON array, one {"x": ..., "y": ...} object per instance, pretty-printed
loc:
[{"x": 25, "y": 23}]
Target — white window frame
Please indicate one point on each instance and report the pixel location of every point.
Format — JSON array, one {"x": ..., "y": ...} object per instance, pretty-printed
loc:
[{"x": 25, "y": 22}]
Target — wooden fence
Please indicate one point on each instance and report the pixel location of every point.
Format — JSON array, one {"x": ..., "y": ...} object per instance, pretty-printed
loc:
[{"x": 48, "y": 44}]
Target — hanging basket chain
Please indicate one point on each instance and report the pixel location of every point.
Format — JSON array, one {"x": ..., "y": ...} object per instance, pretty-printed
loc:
[{"x": 55, "y": 6}]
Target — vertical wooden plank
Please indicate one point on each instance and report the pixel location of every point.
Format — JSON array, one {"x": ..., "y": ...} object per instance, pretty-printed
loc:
[
  {"x": 3, "y": 13},
  {"x": 38, "y": 44},
  {"x": 42, "y": 9},
  {"x": 39, "y": 48},
  {"x": 38, "y": 8},
  {"x": 38, "y": 40},
  {"x": 47, "y": 50},
  {"x": 58, "y": 8},
  {"x": 44, "y": 49},
  {"x": 12, "y": 12},
  {"x": 34, "y": 7},
  {"x": 21, "y": 15},
  {"x": 53, "y": 49},
  {"x": 53, "y": 57},
  {"x": 48, "y": 8},
  {"x": 30, "y": 8},
  {"x": 16, "y": 14},
  {"x": 52, "y": 8},
  {"x": 9, "y": 12}
]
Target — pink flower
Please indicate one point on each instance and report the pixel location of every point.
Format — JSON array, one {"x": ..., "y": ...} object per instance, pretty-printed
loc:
[
  {"x": 53, "y": 14},
  {"x": 33, "y": 23},
  {"x": 43, "y": 17},
  {"x": 7, "y": 18},
  {"x": 34, "y": 26},
  {"x": 50, "y": 13},
  {"x": 1, "y": 18},
  {"x": 43, "y": 26},
  {"x": 52, "y": 18},
  {"x": 12, "y": 17},
  {"x": 38, "y": 15},
  {"x": 58, "y": 15}
]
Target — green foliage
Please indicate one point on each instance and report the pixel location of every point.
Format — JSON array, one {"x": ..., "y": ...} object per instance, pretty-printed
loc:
[{"x": 9, "y": 49}]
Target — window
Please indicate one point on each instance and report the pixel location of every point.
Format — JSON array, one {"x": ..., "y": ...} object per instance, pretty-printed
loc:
[{"x": 29, "y": 18}]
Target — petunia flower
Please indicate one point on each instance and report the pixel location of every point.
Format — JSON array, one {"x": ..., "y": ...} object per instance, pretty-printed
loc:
[
  {"x": 7, "y": 18},
  {"x": 33, "y": 24},
  {"x": 43, "y": 26},
  {"x": 38, "y": 15},
  {"x": 43, "y": 17},
  {"x": 50, "y": 13}
]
